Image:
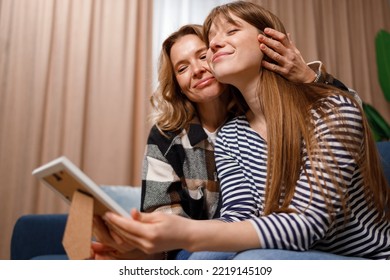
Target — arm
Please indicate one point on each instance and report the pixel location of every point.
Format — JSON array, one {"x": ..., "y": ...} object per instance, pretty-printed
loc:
[{"x": 156, "y": 232}]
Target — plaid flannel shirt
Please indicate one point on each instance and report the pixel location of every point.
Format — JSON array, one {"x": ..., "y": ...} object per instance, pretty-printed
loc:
[{"x": 179, "y": 174}]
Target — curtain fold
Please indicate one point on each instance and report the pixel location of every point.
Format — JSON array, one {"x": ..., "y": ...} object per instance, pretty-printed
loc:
[{"x": 75, "y": 80}]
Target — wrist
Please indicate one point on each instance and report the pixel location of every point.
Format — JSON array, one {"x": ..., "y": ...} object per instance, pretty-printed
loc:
[
  {"x": 316, "y": 78},
  {"x": 315, "y": 74}
]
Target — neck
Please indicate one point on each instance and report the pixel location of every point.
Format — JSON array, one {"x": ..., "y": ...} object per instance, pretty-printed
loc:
[
  {"x": 213, "y": 114},
  {"x": 250, "y": 91}
]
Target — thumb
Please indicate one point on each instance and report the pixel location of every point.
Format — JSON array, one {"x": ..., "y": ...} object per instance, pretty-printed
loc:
[
  {"x": 135, "y": 214},
  {"x": 140, "y": 216}
]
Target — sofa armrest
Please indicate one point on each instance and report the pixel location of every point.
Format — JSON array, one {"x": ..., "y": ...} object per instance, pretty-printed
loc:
[{"x": 37, "y": 235}]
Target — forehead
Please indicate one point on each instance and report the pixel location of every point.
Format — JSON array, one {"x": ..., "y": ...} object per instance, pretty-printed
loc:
[{"x": 185, "y": 47}]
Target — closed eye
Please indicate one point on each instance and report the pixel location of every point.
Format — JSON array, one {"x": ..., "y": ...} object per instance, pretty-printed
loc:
[
  {"x": 181, "y": 69},
  {"x": 232, "y": 31}
]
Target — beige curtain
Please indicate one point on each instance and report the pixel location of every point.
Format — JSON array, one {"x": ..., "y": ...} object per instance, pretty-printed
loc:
[{"x": 75, "y": 78}]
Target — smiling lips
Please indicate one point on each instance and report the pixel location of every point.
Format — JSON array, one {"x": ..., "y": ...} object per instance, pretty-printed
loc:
[
  {"x": 218, "y": 55},
  {"x": 204, "y": 82}
]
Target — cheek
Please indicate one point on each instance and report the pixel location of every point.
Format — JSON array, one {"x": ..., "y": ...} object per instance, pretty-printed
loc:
[
  {"x": 255, "y": 50},
  {"x": 209, "y": 54},
  {"x": 183, "y": 81}
]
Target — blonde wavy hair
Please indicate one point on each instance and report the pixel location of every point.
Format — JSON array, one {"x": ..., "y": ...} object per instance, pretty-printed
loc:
[
  {"x": 287, "y": 108},
  {"x": 171, "y": 108}
]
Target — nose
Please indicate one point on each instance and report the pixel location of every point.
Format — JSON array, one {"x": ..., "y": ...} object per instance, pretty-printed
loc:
[
  {"x": 198, "y": 69},
  {"x": 215, "y": 43}
]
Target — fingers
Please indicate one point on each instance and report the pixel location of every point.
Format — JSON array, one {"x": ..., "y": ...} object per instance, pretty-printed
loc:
[
  {"x": 273, "y": 67},
  {"x": 126, "y": 230},
  {"x": 287, "y": 59},
  {"x": 98, "y": 247},
  {"x": 274, "y": 39},
  {"x": 282, "y": 64},
  {"x": 271, "y": 53},
  {"x": 277, "y": 48},
  {"x": 100, "y": 231},
  {"x": 105, "y": 233},
  {"x": 137, "y": 233},
  {"x": 116, "y": 237},
  {"x": 100, "y": 251},
  {"x": 277, "y": 36}
]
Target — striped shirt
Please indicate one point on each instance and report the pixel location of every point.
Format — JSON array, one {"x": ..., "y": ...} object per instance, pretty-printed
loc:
[{"x": 241, "y": 159}]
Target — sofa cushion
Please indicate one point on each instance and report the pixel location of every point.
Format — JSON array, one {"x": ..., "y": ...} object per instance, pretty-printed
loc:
[{"x": 126, "y": 196}]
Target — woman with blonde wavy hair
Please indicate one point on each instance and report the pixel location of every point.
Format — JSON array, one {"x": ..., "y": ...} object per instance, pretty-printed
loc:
[{"x": 179, "y": 174}]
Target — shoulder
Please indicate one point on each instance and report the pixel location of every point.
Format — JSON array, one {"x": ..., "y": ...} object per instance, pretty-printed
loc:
[
  {"x": 162, "y": 139},
  {"x": 233, "y": 132},
  {"x": 338, "y": 104},
  {"x": 235, "y": 124},
  {"x": 156, "y": 135},
  {"x": 338, "y": 114},
  {"x": 340, "y": 100}
]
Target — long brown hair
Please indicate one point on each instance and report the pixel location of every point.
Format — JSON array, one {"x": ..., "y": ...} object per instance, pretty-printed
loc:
[{"x": 288, "y": 109}]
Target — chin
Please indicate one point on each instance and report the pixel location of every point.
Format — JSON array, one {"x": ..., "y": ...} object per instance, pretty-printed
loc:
[
  {"x": 223, "y": 78},
  {"x": 222, "y": 74}
]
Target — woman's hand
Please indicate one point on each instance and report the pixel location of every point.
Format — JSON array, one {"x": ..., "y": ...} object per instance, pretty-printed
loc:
[
  {"x": 150, "y": 232},
  {"x": 106, "y": 248},
  {"x": 290, "y": 63},
  {"x": 158, "y": 232},
  {"x": 105, "y": 236}
]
